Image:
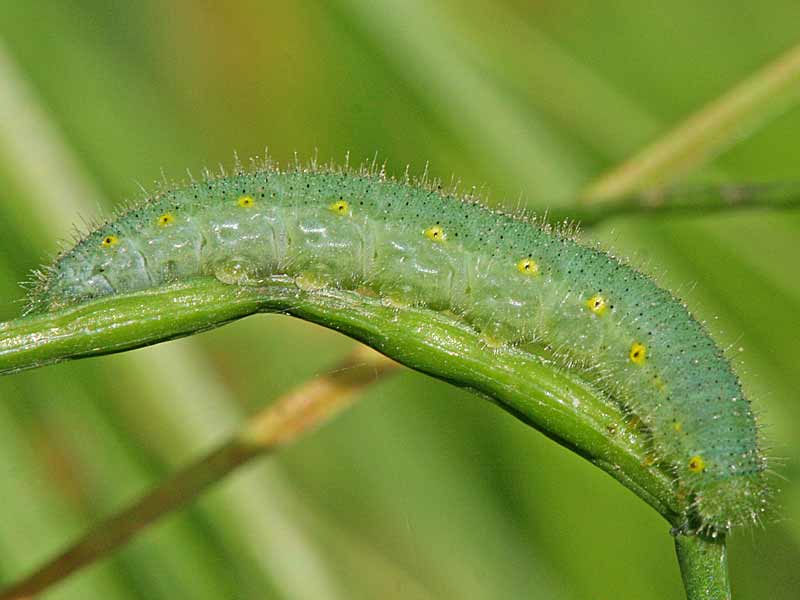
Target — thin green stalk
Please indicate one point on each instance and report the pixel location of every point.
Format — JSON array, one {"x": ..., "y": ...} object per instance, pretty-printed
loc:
[
  {"x": 704, "y": 567},
  {"x": 689, "y": 200},
  {"x": 525, "y": 383}
]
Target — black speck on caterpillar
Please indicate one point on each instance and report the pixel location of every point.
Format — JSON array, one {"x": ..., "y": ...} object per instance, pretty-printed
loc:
[{"x": 511, "y": 279}]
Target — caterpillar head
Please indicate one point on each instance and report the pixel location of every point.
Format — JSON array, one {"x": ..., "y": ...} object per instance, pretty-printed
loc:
[
  {"x": 725, "y": 503},
  {"x": 95, "y": 267}
]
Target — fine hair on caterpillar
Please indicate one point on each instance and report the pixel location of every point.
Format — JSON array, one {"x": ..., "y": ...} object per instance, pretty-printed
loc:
[{"x": 514, "y": 280}]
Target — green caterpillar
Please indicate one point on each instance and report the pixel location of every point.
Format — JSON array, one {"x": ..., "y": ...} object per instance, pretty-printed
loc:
[{"x": 513, "y": 280}]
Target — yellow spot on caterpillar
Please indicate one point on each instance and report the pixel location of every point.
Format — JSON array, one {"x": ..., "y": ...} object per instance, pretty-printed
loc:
[
  {"x": 697, "y": 464},
  {"x": 492, "y": 342},
  {"x": 597, "y": 304},
  {"x": 166, "y": 220},
  {"x": 638, "y": 353},
  {"x": 528, "y": 266},
  {"x": 677, "y": 426},
  {"x": 246, "y": 202},
  {"x": 435, "y": 233},
  {"x": 340, "y": 207},
  {"x": 109, "y": 240}
]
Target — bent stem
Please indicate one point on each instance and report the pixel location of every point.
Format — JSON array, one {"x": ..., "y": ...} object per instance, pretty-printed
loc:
[
  {"x": 525, "y": 383},
  {"x": 557, "y": 402},
  {"x": 289, "y": 417}
]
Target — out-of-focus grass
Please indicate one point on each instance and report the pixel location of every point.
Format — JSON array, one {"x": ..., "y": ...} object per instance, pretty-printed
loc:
[{"x": 421, "y": 491}]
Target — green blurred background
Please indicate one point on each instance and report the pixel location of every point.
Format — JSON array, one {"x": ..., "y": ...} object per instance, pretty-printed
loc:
[{"x": 420, "y": 491}]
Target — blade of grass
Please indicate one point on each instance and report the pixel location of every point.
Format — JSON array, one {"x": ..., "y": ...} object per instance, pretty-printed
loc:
[
  {"x": 34, "y": 514},
  {"x": 703, "y": 135},
  {"x": 297, "y": 413},
  {"x": 97, "y": 452}
]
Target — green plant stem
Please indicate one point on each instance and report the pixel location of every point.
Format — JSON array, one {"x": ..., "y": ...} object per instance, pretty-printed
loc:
[
  {"x": 707, "y": 132},
  {"x": 289, "y": 417},
  {"x": 557, "y": 402},
  {"x": 689, "y": 200},
  {"x": 703, "y": 562},
  {"x": 704, "y": 567}
]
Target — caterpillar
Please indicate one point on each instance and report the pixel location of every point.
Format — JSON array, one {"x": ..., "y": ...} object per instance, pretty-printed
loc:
[{"x": 515, "y": 280}]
